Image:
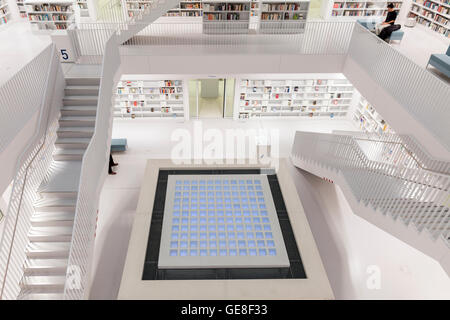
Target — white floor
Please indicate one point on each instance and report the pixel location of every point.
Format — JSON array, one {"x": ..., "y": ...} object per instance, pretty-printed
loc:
[
  {"x": 419, "y": 43},
  {"x": 348, "y": 244},
  {"x": 18, "y": 47}
]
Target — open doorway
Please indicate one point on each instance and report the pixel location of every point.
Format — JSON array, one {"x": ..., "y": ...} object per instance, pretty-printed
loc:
[{"x": 211, "y": 98}]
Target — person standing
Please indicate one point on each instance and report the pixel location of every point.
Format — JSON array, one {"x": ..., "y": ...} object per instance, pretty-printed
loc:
[
  {"x": 111, "y": 164},
  {"x": 390, "y": 19}
]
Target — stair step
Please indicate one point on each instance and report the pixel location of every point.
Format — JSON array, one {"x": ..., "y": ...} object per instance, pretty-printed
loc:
[
  {"x": 79, "y": 110},
  {"x": 45, "y": 283},
  {"x": 72, "y": 143},
  {"x": 63, "y": 179},
  {"x": 81, "y": 90},
  {"x": 55, "y": 204},
  {"x": 50, "y": 234},
  {"x": 46, "y": 250},
  {"x": 83, "y": 81},
  {"x": 52, "y": 219},
  {"x": 56, "y": 267},
  {"x": 75, "y": 132},
  {"x": 80, "y": 100},
  {"x": 68, "y": 154},
  {"x": 77, "y": 121},
  {"x": 42, "y": 296}
]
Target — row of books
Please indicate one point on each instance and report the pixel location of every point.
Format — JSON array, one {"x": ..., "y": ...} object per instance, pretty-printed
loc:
[
  {"x": 184, "y": 14},
  {"x": 247, "y": 115},
  {"x": 334, "y": 102},
  {"x": 49, "y": 7},
  {"x": 289, "y": 83},
  {"x": 137, "y": 6},
  {"x": 435, "y": 6},
  {"x": 225, "y": 7},
  {"x": 190, "y": 6},
  {"x": 150, "y": 83},
  {"x": 283, "y": 7},
  {"x": 47, "y": 17},
  {"x": 223, "y": 16},
  {"x": 282, "y": 16}
]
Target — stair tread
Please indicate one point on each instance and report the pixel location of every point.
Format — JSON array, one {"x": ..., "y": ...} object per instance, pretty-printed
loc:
[
  {"x": 52, "y": 216},
  {"x": 81, "y": 97},
  {"x": 38, "y": 246},
  {"x": 42, "y": 296},
  {"x": 55, "y": 202},
  {"x": 64, "y": 177},
  {"x": 43, "y": 280},
  {"x": 76, "y": 129},
  {"x": 50, "y": 231},
  {"x": 61, "y": 151},
  {"x": 77, "y": 118},
  {"x": 79, "y": 86},
  {"x": 45, "y": 263},
  {"x": 79, "y": 108},
  {"x": 72, "y": 140}
]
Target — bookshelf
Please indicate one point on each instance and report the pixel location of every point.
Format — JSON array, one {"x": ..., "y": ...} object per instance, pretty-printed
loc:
[
  {"x": 5, "y": 13},
  {"x": 434, "y": 14},
  {"x": 21, "y": 7},
  {"x": 285, "y": 16},
  {"x": 134, "y": 6},
  {"x": 358, "y": 9},
  {"x": 368, "y": 119},
  {"x": 313, "y": 98},
  {"x": 232, "y": 16},
  {"x": 83, "y": 8},
  {"x": 149, "y": 98},
  {"x": 190, "y": 8},
  {"x": 50, "y": 14},
  {"x": 254, "y": 8}
]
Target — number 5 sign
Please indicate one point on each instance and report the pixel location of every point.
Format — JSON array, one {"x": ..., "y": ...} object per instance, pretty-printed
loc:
[{"x": 64, "y": 46}]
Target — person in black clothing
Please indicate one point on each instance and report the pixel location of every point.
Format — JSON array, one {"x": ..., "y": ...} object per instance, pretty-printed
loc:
[
  {"x": 111, "y": 164},
  {"x": 390, "y": 19}
]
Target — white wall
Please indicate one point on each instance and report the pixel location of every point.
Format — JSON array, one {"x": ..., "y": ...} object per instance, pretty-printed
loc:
[
  {"x": 350, "y": 246},
  {"x": 10, "y": 155},
  {"x": 229, "y": 64},
  {"x": 393, "y": 112}
]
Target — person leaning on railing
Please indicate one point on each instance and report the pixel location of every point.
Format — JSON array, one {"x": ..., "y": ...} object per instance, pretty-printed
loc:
[{"x": 390, "y": 19}]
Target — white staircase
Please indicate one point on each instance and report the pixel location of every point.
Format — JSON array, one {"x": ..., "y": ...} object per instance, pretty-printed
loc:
[
  {"x": 127, "y": 27},
  {"x": 410, "y": 200},
  {"x": 50, "y": 234}
]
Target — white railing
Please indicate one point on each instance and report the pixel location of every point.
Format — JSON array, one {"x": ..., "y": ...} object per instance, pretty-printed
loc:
[
  {"x": 315, "y": 37},
  {"x": 391, "y": 173},
  {"x": 19, "y": 94},
  {"x": 93, "y": 172},
  {"x": 31, "y": 169},
  {"x": 420, "y": 92}
]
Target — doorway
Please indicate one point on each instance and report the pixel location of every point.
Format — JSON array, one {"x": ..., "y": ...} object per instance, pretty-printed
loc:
[{"x": 211, "y": 98}]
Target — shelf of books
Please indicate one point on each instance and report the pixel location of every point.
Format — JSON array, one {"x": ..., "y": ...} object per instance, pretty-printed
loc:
[
  {"x": 254, "y": 8},
  {"x": 368, "y": 119},
  {"x": 149, "y": 98},
  {"x": 4, "y": 12},
  {"x": 283, "y": 16},
  {"x": 134, "y": 6},
  {"x": 314, "y": 98},
  {"x": 232, "y": 16},
  {"x": 188, "y": 8},
  {"x": 359, "y": 9},
  {"x": 50, "y": 14},
  {"x": 21, "y": 7},
  {"x": 434, "y": 14},
  {"x": 83, "y": 8}
]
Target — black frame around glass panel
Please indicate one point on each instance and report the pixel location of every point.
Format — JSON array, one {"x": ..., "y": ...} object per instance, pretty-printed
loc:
[{"x": 152, "y": 272}]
